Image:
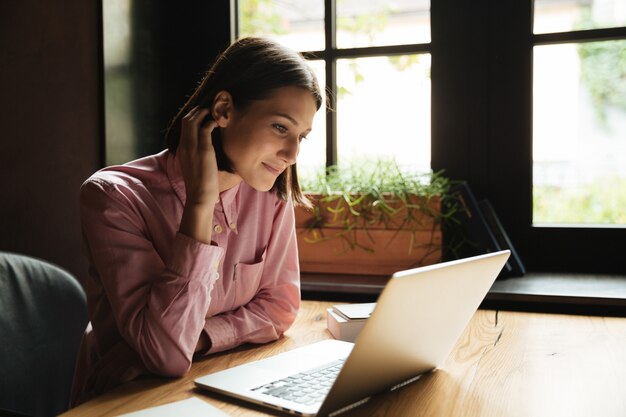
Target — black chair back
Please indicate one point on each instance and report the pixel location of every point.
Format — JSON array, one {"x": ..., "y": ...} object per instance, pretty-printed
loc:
[{"x": 43, "y": 314}]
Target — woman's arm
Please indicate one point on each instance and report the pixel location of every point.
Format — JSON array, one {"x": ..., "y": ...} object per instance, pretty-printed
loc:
[
  {"x": 198, "y": 164},
  {"x": 158, "y": 301},
  {"x": 158, "y": 304},
  {"x": 275, "y": 306}
]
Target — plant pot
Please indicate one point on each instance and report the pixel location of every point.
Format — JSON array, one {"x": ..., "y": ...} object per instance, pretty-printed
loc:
[{"x": 350, "y": 236}]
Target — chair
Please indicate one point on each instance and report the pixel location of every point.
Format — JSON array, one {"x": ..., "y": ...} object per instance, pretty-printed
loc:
[{"x": 43, "y": 314}]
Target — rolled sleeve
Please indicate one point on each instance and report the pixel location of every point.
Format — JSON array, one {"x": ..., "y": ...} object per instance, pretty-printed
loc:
[
  {"x": 187, "y": 250},
  {"x": 221, "y": 333}
]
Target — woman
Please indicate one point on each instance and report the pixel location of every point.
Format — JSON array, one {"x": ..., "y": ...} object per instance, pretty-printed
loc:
[{"x": 193, "y": 250}]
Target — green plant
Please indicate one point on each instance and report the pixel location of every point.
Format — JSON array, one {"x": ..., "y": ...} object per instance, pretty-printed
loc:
[
  {"x": 373, "y": 194},
  {"x": 259, "y": 17},
  {"x": 599, "y": 202},
  {"x": 603, "y": 69}
]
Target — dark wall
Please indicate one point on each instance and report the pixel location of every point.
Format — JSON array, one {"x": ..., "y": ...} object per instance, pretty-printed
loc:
[
  {"x": 481, "y": 105},
  {"x": 51, "y": 105},
  {"x": 171, "y": 46},
  {"x": 49, "y": 118}
]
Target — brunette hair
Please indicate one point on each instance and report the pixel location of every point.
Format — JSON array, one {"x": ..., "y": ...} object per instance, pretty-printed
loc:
[{"x": 251, "y": 69}]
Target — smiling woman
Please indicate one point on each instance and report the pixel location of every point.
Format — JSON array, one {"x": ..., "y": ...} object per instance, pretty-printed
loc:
[
  {"x": 265, "y": 137},
  {"x": 193, "y": 251}
]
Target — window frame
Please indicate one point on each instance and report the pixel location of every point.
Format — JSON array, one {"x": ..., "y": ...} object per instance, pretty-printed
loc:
[
  {"x": 600, "y": 242},
  {"x": 488, "y": 95},
  {"x": 330, "y": 55},
  {"x": 481, "y": 120}
]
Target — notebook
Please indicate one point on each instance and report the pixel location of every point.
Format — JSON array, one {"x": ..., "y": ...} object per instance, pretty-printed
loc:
[
  {"x": 417, "y": 320},
  {"x": 342, "y": 328},
  {"x": 359, "y": 311},
  {"x": 191, "y": 407}
]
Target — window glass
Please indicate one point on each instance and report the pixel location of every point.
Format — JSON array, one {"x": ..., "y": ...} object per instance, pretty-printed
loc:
[
  {"x": 383, "y": 109},
  {"x": 120, "y": 126},
  {"x": 398, "y": 128},
  {"x": 568, "y": 15},
  {"x": 579, "y": 133},
  {"x": 297, "y": 24},
  {"x": 380, "y": 22}
]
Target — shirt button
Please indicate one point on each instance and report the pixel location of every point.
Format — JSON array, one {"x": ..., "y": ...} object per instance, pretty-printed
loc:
[
  {"x": 233, "y": 226},
  {"x": 217, "y": 228}
]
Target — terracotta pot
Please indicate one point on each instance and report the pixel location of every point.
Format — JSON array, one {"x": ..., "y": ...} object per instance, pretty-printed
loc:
[
  {"x": 374, "y": 242},
  {"x": 418, "y": 213}
]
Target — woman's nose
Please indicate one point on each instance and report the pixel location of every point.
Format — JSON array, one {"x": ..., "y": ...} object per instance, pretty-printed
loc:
[{"x": 291, "y": 150}]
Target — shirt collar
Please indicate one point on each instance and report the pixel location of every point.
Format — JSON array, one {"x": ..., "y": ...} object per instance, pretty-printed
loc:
[
  {"x": 229, "y": 200},
  {"x": 175, "y": 176}
]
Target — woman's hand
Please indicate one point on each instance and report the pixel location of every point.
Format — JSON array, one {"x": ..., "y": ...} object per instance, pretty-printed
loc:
[
  {"x": 198, "y": 163},
  {"x": 197, "y": 158}
]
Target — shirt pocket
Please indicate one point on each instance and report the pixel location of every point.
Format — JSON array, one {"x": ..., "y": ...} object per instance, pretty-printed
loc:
[{"x": 247, "y": 281}]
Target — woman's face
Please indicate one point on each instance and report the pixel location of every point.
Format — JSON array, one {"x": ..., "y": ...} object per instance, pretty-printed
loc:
[{"x": 263, "y": 139}]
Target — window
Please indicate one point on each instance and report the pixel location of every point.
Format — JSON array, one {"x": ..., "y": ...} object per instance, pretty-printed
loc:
[
  {"x": 579, "y": 113},
  {"x": 374, "y": 59},
  {"x": 505, "y": 108},
  {"x": 490, "y": 104}
]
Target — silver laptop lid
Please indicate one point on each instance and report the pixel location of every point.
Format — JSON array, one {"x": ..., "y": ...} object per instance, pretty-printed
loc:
[{"x": 417, "y": 320}]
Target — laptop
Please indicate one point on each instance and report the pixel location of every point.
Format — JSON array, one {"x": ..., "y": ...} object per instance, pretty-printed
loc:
[{"x": 418, "y": 318}]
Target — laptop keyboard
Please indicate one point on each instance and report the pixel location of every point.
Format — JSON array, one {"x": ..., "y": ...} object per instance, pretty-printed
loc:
[{"x": 306, "y": 388}]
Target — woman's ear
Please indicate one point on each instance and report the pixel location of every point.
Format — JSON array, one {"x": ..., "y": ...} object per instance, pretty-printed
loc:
[{"x": 222, "y": 108}]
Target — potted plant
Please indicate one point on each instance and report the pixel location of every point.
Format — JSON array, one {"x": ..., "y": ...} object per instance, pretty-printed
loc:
[{"x": 370, "y": 218}]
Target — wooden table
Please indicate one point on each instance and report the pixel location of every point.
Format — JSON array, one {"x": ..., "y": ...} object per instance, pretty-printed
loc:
[{"x": 504, "y": 364}]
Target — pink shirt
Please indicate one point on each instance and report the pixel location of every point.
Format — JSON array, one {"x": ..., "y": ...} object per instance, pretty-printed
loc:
[{"x": 155, "y": 289}]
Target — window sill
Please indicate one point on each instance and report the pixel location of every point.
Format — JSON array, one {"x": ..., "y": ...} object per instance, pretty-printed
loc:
[{"x": 536, "y": 292}]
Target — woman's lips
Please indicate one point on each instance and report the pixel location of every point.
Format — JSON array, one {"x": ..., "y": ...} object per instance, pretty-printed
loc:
[{"x": 272, "y": 169}]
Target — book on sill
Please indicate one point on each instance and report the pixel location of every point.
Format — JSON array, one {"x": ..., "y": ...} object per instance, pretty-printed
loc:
[{"x": 345, "y": 321}]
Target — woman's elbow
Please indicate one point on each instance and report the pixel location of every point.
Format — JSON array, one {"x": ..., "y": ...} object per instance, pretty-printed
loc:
[
  {"x": 284, "y": 322},
  {"x": 172, "y": 365}
]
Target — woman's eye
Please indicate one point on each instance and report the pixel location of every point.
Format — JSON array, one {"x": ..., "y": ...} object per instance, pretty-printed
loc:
[
  {"x": 302, "y": 138},
  {"x": 280, "y": 128}
]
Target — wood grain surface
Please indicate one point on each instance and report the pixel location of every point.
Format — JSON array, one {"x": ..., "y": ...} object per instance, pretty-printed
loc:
[{"x": 504, "y": 364}]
